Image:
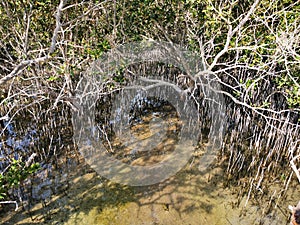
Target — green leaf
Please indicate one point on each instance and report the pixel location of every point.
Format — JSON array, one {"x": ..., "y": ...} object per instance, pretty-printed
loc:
[{"x": 52, "y": 78}]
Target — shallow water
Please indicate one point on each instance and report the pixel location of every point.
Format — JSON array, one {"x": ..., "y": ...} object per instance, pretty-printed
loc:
[
  {"x": 189, "y": 197},
  {"x": 71, "y": 192}
]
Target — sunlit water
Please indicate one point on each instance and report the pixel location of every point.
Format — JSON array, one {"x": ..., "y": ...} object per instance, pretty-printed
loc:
[
  {"x": 72, "y": 193},
  {"x": 190, "y": 197}
]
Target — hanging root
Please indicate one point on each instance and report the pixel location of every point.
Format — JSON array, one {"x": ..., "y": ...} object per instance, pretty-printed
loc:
[{"x": 294, "y": 167}]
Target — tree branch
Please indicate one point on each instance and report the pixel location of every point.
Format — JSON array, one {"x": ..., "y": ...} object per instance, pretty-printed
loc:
[{"x": 21, "y": 66}]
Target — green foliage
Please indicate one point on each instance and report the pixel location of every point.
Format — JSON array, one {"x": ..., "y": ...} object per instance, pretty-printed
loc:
[
  {"x": 89, "y": 31},
  {"x": 152, "y": 19},
  {"x": 287, "y": 85},
  {"x": 96, "y": 50},
  {"x": 264, "y": 42},
  {"x": 52, "y": 78},
  {"x": 119, "y": 76},
  {"x": 14, "y": 174}
]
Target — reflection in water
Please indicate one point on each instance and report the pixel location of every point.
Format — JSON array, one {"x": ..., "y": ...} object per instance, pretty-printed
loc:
[{"x": 13, "y": 144}]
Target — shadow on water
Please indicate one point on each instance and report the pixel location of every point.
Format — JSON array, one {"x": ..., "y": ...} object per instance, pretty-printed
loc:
[
  {"x": 72, "y": 193},
  {"x": 67, "y": 191},
  {"x": 89, "y": 199}
]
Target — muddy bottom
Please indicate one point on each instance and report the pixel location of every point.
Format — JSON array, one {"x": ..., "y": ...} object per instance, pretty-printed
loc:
[
  {"x": 72, "y": 193},
  {"x": 189, "y": 197}
]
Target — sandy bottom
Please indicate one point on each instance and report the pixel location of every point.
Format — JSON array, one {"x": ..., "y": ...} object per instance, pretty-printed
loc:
[
  {"x": 190, "y": 197},
  {"x": 75, "y": 194}
]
